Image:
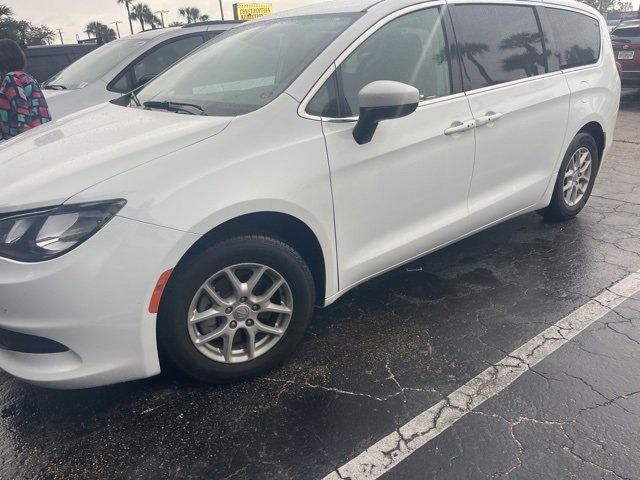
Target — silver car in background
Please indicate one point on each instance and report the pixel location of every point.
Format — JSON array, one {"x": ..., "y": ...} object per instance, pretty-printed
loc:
[{"x": 125, "y": 64}]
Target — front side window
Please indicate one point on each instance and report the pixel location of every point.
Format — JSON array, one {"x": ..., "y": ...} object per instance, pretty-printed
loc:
[
  {"x": 249, "y": 66},
  {"x": 411, "y": 49},
  {"x": 96, "y": 64},
  {"x": 498, "y": 44},
  {"x": 577, "y": 38}
]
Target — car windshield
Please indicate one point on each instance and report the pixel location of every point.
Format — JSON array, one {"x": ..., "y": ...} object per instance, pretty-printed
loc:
[
  {"x": 95, "y": 65},
  {"x": 626, "y": 33},
  {"x": 247, "y": 67}
]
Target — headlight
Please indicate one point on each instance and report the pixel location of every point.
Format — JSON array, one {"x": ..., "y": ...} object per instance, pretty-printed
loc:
[{"x": 43, "y": 234}]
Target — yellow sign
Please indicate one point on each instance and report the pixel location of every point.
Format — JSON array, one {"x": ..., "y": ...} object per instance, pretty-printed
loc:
[{"x": 247, "y": 11}]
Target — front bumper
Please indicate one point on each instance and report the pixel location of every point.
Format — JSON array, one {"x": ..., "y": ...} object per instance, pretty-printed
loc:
[{"x": 93, "y": 300}]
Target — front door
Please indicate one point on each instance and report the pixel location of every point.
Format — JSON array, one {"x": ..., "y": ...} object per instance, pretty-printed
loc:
[{"x": 405, "y": 192}]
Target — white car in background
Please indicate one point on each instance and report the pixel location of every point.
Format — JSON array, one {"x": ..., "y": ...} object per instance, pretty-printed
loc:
[
  {"x": 122, "y": 65},
  {"x": 281, "y": 165}
]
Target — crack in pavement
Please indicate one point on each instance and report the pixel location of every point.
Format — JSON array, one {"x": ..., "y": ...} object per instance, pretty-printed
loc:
[
  {"x": 398, "y": 445},
  {"x": 626, "y": 141}
]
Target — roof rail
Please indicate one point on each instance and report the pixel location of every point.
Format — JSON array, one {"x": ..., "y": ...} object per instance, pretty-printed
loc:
[{"x": 212, "y": 22}]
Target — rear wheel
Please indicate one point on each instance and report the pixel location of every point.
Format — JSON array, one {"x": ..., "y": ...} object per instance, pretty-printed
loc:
[
  {"x": 236, "y": 310},
  {"x": 575, "y": 179}
]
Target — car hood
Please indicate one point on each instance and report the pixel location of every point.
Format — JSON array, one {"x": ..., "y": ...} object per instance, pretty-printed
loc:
[
  {"x": 54, "y": 93},
  {"x": 51, "y": 163},
  {"x": 65, "y": 102}
]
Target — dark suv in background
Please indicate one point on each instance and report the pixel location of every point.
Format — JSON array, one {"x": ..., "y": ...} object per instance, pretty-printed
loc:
[
  {"x": 44, "y": 61},
  {"x": 626, "y": 44}
]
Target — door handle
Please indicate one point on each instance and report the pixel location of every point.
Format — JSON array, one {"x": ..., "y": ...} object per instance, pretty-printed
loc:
[
  {"x": 490, "y": 117},
  {"x": 459, "y": 127}
]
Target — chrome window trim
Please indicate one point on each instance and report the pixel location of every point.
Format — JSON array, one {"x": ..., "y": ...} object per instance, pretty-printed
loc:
[
  {"x": 302, "y": 108},
  {"x": 421, "y": 6},
  {"x": 512, "y": 83}
]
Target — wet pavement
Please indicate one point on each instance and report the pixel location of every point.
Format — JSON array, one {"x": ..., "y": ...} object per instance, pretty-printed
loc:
[{"x": 386, "y": 352}]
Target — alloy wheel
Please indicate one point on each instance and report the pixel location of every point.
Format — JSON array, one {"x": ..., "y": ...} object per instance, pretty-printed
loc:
[
  {"x": 240, "y": 313},
  {"x": 577, "y": 176}
]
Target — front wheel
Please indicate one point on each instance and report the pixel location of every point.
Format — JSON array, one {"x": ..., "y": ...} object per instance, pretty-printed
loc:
[
  {"x": 575, "y": 179},
  {"x": 236, "y": 310}
]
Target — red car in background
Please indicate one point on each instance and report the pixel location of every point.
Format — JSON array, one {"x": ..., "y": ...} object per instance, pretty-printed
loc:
[{"x": 626, "y": 45}]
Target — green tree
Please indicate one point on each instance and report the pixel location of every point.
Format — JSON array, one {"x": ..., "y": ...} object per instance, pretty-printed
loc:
[
  {"x": 127, "y": 3},
  {"x": 102, "y": 32},
  {"x": 40, "y": 35},
  {"x": 192, "y": 14},
  {"x": 23, "y": 32}
]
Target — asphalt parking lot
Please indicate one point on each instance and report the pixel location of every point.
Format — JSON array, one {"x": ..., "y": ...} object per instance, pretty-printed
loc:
[{"x": 417, "y": 365}]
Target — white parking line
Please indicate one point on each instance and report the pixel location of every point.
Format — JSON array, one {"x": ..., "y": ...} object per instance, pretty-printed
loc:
[{"x": 388, "y": 452}]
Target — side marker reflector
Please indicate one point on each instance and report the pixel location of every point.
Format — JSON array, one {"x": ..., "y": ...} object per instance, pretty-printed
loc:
[{"x": 154, "y": 304}]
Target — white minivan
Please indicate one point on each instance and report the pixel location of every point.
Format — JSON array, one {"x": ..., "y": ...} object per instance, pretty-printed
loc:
[{"x": 293, "y": 158}]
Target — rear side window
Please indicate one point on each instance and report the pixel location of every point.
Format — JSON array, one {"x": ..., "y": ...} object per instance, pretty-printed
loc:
[
  {"x": 498, "y": 43},
  {"x": 577, "y": 38}
]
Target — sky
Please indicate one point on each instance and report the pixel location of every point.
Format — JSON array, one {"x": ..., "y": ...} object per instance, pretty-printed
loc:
[{"x": 71, "y": 16}]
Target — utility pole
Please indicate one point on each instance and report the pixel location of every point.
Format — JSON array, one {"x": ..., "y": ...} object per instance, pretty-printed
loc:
[
  {"x": 162, "y": 12},
  {"x": 60, "y": 33},
  {"x": 221, "y": 10},
  {"x": 117, "y": 27}
]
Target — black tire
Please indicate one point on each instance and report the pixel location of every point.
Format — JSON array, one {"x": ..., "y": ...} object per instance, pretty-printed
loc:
[
  {"x": 558, "y": 209},
  {"x": 174, "y": 341}
]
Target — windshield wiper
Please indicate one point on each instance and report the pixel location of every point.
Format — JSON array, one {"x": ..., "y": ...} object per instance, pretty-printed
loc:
[
  {"x": 55, "y": 87},
  {"x": 177, "y": 107}
]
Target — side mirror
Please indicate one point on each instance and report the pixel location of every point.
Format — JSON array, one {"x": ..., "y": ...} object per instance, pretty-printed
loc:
[{"x": 383, "y": 100}]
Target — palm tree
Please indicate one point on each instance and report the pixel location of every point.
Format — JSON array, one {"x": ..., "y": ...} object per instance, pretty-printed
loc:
[
  {"x": 142, "y": 12},
  {"x": 5, "y": 11},
  {"x": 530, "y": 60},
  {"x": 102, "y": 32},
  {"x": 192, "y": 14},
  {"x": 127, "y": 4},
  {"x": 470, "y": 51}
]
